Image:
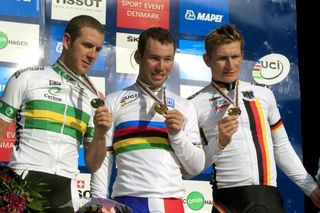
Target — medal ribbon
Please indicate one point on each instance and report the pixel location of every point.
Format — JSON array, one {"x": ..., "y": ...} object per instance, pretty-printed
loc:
[
  {"x": 150, "y": 93},
  {"x": 219, "y": 90},
  {"x": 87, "y": 83}
]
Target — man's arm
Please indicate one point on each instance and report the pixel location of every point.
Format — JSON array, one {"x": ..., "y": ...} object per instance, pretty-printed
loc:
[
  {"x": 184, "y": 137},
  {"x": 95, "y": 151},
  {"x": 285, "y": 156},
  {"x": 100, "y": 179}
]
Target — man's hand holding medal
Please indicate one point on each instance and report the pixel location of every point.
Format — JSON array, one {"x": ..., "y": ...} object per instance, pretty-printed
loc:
[{"x": 174, "y": 121}]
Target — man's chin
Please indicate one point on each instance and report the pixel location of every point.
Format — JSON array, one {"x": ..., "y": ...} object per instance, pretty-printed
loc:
[
  {"x": 229, "y": 79},
  {"x": 84, "y": 70}
]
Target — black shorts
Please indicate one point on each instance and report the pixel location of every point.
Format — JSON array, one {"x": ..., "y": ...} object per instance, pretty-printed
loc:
[
  {"x": 58, "y": 193},
  {"x": 248, "y": 199}
]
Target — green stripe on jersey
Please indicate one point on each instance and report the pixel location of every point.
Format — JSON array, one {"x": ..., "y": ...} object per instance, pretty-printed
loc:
[
  {"x": 142, "y": 146},
  {"x": 58, "y": 108},
  {"x": 53, "y": 127}
]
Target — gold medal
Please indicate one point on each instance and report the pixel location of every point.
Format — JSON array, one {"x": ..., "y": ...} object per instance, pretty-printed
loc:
[
  {"x": 161, "y": 108},
  {"x": 234, "y": 111},
  {"x": 83, "y": 80},
  {"x": 96, "y": 103}
]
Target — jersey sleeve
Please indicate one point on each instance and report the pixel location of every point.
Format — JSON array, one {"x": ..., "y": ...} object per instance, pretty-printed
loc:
[
  {"x": 187, "y": 143},
  {"x": 100, "y": 180},
  {"x": 13, "y": 95},
  {"x": 285, "y": 156}
]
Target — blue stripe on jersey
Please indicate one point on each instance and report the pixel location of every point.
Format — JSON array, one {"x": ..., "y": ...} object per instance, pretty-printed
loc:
[{"x": 153, "y": 124}]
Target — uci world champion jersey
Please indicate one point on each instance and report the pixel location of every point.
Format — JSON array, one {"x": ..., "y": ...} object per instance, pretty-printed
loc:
[
  {"x": 53, "y": 116},
  {"x": 149, "y": 161},
  {"x": 259, "y": 144}
]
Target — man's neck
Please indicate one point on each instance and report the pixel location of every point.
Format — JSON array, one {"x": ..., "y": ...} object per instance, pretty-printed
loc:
[
  {"x": 228, "y": 86},
  {"x": 153, "y": 89}
]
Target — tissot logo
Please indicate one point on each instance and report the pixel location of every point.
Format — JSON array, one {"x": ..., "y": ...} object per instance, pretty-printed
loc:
[{"x": 88, "y": 3}]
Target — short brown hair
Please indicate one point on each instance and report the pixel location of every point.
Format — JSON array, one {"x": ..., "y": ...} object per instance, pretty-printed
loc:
[
  {"x": 77, "y": 23},
  {"x": 157, "y": 33},
  {"x": 225, "y": 34}
]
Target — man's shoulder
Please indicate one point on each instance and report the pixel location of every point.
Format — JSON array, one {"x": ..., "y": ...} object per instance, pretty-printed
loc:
[
  {"x": 200, "y": 93},
  {"x": 128, "y": 91},
  {"x": 254, "y": 85},
  {"x": 28, "y": 69},
  {"x": 259, "y": 84}
]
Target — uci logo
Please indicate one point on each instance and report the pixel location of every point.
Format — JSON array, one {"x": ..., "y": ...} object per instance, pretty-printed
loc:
[{"x": 271, "y": 69}]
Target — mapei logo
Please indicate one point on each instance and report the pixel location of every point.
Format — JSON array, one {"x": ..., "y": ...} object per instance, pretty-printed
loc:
[
  {"x": 88, "y": 3},
  {"x": 211, "y": 17}
]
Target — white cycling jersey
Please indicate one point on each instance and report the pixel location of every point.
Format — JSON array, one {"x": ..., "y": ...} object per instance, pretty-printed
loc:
[
  {"x": 53, "y": 116},
  {"x": 260, "y": 143},
  {"x": 150, "y": 163}
]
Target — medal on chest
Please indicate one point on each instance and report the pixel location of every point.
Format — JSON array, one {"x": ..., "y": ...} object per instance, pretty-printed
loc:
[
  {"x": 235, "y": 109},
  {"x": 84, "y": 81},
  {"x": 160, "y": 106}
]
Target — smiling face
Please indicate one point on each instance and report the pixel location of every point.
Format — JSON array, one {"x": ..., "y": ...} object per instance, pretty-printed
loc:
[
  {"x": 156, "y": 63},
  {"x": 225, "y": 62},
  {"x": 79, "y": 55}
]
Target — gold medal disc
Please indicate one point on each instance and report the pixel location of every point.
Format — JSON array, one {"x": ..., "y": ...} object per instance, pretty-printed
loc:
[
  {"x": 161, "y": 108},
  {"x": 96, "y": 103},
  {"x": 234, "y": 111}
]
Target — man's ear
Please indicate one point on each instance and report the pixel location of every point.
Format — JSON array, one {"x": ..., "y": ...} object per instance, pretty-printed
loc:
[
  {"x": 66, "y": 40},
  {"x": 137, "y": 57},
  {"x": 206, "y": 59}
]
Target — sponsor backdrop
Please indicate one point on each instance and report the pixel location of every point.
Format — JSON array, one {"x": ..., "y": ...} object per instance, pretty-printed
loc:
[{"x": 31, "y": 31}]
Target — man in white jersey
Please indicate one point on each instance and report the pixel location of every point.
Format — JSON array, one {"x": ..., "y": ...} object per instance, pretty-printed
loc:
[
  {"x": 245, "y": 136},
  {"x": 154, "y": 137},
  {"x": 53, "y": 116}
]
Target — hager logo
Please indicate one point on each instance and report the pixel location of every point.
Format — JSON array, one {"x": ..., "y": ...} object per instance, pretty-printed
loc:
[{"x": 3, "y": 40}]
